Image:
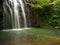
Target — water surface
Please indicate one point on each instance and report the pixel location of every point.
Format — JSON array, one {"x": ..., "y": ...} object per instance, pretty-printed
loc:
[{"x": 30, "y": 37}]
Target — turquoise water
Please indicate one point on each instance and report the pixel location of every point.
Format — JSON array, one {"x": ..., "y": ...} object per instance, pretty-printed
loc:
[
  {"x": 6, "y": 36},
  {"x": 11, "y": 34}
]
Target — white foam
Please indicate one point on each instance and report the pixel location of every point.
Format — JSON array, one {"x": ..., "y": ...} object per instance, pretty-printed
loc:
[{"x": 17, "y": 29}]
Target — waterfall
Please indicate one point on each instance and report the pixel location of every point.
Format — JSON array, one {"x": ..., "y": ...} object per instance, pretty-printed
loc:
[
  {"x": 24, "y": 15},
  {"x": 14, "y": 14}
]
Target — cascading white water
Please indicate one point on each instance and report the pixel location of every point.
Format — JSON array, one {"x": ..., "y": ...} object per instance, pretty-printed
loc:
[
  {"x": 14, "y": 16},
  {"x": 24, "y": 15}
]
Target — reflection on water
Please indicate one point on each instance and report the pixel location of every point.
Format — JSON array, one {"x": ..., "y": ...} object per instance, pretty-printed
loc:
[{"x": 28, "y": 38}]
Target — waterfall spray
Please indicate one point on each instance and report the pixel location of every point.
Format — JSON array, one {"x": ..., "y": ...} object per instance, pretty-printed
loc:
[
  {"x": 24, "y": 15},
  {"x": 11, "y": 16}
]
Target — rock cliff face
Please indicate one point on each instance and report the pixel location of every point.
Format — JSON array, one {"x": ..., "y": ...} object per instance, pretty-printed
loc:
[
  {"x": 1, "y": 13},
  {"x": 28, "y": 10}
]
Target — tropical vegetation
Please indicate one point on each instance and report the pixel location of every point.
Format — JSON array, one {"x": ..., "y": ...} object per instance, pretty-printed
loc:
[{"x": 46, "y": 12}]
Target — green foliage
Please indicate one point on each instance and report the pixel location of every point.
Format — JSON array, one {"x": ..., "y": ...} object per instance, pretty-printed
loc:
[{"x": 47, "y": 12}]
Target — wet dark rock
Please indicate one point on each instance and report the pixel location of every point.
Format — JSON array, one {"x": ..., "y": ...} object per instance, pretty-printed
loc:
[{"x": 1, "y": 13}]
